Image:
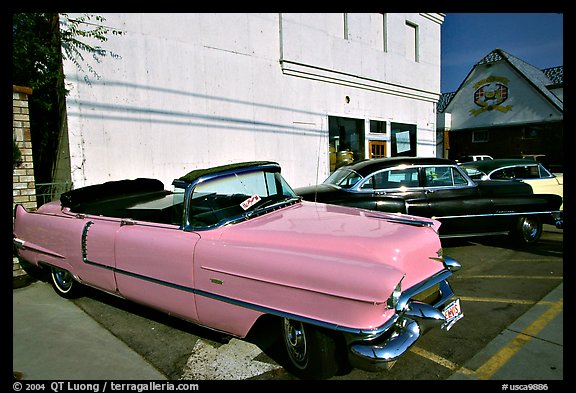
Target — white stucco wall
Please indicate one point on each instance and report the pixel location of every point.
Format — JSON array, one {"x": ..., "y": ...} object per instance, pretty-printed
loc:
[{"x": 197, "y": 90}]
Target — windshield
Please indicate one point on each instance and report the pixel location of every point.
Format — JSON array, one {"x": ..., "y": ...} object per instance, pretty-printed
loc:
[
  {"x": 224, "y": 199},
  {"x": 343, "y": 177}
]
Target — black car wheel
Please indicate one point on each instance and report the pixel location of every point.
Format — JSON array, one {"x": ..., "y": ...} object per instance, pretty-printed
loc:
[
  {"x": 311, "y": 352},
  {"x": 64, "y": 283},
  {"x": 528, "y": 230}
]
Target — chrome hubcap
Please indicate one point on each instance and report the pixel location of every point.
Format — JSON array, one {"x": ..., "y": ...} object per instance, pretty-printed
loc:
[
  {"x": 529, "y": 229},
  {"x": 63, "y": 279},
  {"x": 295, "y": 339}
]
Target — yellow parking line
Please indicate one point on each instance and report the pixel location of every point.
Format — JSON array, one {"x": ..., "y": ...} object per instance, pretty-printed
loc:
[
  {"x": 487, "y": 370},
  {"x": 464, "y": 277},
  {"x": 502, "y": 300},
  {"x": 490, "y": 367},
  {"x": 441, "y": 361},
  {"x": 534, "y": 260}
]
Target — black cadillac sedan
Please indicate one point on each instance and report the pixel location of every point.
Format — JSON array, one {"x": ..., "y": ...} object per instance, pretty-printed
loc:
[{"x": 439, "y": 188}]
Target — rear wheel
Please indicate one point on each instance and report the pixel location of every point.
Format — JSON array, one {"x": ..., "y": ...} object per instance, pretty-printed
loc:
[
  {"x": 311, "y": 352},
  {"x": 64, "y": 283},
  {"x": 528, "y": 230}
]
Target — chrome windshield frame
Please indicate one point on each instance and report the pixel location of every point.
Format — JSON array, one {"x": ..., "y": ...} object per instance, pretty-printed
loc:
[{"x": 190, "y": 187}]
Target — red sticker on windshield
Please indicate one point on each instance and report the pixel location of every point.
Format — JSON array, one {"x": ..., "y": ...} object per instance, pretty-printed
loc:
[{"x": 248, "y": 203}]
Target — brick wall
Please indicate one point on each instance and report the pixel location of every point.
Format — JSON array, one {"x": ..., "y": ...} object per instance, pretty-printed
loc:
[{"x": 23, "y": 186}]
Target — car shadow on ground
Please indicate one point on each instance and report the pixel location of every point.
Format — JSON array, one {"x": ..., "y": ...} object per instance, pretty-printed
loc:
[
  {"x": 143, "y": 328},
  {"x": 551, "y": 246}
]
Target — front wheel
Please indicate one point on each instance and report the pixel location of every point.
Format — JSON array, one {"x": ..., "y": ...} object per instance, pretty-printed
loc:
[
  {"x": 64, "y": 283},
  {"x": 528, "y": 230},
  {"x": 311, "y": 352}
]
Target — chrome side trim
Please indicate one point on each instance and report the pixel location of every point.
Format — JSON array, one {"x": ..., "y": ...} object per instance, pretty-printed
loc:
[
  {"x": 18, "y": 243},
  {"x": 23, "y": 245},
  {"x": 466, "y": 235},
  {"x": 498, "y": 214},
  {"x": 240, "y": 303},
  {"x": 404, "y": 309},
  {"x": 400, "y": 220},
  {"x": 353, "y": 334},
  {"x": 84, "y": 241}
]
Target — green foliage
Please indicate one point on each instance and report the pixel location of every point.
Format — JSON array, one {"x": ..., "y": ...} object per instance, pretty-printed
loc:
[
  {"x": 76, "y": 35},
  {"x": 36, "y": 56},
  {"x": 37, "y": 63},
  {"x": 40, "y": 41}
]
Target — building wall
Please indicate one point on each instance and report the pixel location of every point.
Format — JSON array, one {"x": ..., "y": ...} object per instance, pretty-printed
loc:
[
  {"x": 498, "y": 112},
  {"x": 23, "y": 183},
  {"x": 196, "y": 90},
  {"x": 523, "y": 104},
  {"x": 558, "y": 92},
  {"x": 513, "y": 141}
]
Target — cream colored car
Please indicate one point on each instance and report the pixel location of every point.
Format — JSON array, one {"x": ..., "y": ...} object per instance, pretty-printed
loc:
[{"x": 528, "y": 171}]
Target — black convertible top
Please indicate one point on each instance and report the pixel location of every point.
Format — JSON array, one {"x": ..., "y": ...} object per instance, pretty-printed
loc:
[
  {"x": 192, "y": 176},
  {"x": 81, "y": 199},
  {"x": 112, "y": 189}
]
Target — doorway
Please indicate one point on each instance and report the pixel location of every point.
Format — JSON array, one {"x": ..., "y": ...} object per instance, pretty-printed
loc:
[
  {"x": 377, "y": 149},
  {"x": 345, "y": 141}
]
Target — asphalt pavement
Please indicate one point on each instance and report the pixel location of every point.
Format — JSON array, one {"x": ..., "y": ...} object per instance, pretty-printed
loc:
[
  {"x": 53, "y": 339},
  {"x": 530, "y": 349}
]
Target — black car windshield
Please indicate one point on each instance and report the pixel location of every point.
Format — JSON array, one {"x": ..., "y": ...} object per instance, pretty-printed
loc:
[{"x": 343, "y": 177}]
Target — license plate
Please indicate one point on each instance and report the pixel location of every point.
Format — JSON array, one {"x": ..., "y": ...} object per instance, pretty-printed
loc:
[{"x": 453, "y": 313}]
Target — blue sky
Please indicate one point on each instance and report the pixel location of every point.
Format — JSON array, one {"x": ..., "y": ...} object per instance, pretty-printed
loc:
[{"x": 536, "y": 38}]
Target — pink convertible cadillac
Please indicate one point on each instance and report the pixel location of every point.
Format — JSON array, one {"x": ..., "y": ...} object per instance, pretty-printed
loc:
[{"x": 232, "y": 245}]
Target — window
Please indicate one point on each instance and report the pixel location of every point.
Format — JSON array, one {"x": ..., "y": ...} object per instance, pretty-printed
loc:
[
  {"x": 530, "y": 172},
  {"x": 503, "y": 174},
  {"x": 377, "y": 149},
  {"x": 530, "y": 133},
  {"x": 459, "y": 179},
  {"x": 479, "y": 136},
  {"x": 385, "y": 32},
  {"x": 543, "y": 172},
  {"x": 443, "y": 176},
  {"x": 518, "y": 172},
  {"x": 403, "y": 139},
  {"x": 411, "y": 41},
  {"x": 377, "y": 127},
  {"x": 344, "y": 178},
  {"x": 394, "y": 178}
]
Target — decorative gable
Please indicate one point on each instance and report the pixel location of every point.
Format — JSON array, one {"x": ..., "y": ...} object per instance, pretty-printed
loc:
[{"x": 504, "y": 90}]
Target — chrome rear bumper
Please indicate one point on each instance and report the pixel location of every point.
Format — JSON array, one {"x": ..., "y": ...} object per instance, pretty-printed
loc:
[
  {"x": 380, "y": 350},
  {"x": 382, "y": 353}
]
